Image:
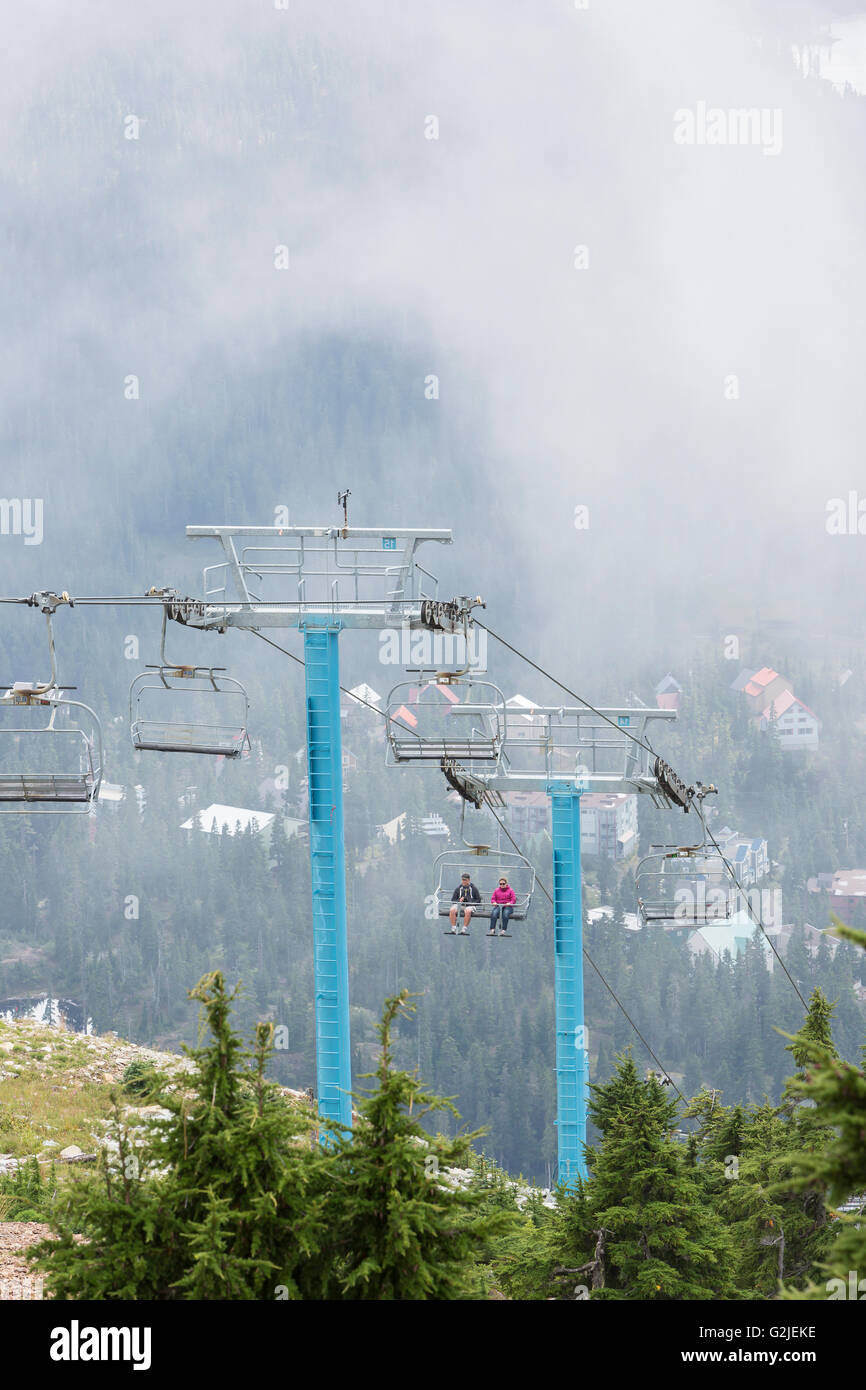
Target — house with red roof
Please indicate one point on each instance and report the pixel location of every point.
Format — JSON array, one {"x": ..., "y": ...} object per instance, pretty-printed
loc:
[
  {"x": 765, "y": 686},
  {"x": 668, "y": 692},
  {"x": 774, "y": 705},
  {"x": 796, "y": 725}
]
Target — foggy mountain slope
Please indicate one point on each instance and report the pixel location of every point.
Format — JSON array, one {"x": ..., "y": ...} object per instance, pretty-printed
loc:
[{"x": 154, "y": 257}]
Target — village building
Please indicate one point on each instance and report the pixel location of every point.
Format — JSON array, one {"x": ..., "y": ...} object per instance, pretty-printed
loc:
[
  {"x": 608, "y": 821},
  {"x": 773, "y": 706},
  {"x": 668, "y": 692}
]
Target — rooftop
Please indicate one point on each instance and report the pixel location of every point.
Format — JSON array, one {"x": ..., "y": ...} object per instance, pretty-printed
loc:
[
  {"x": 732, "y": 936},
  {"x": 230, "y": 818},
  {"x": 782, "y": 703},
  {"x": 528, "y": 799},
  {"x": 764, "y": 677},
  {"x": 603, "y": 800},
  {"x": 520, "y": 709},
  {"x": 668, "y": 685},
  {"x": 850, "y": 883},
  {"x": 363, "y": 693}
]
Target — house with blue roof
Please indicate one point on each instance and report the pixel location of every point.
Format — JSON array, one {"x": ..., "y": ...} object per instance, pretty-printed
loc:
[
  {"x": 748, "y": 854},
  {"x": 732, "y": 936}
]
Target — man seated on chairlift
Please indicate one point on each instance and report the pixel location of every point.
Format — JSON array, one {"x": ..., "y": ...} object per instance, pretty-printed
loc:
[
  {"x": 465, "y": 895},
  {"x": 503, "y": 900}
]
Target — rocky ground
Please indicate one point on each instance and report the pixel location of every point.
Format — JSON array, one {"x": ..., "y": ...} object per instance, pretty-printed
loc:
[
  {"x": 17, "y": 1279},
  {"x": 97, "y": 1057},
  {"x": 54, "y": 1088}
]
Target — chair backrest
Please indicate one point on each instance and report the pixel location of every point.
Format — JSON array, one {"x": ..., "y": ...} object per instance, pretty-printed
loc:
[
  {"x": 462, "y": 719},
  {"x": 201, "y": 712},
  {"x": 685, "y": 888},
  {"x": 485, "y": 872},
  {"x": 53, "y": 765}
]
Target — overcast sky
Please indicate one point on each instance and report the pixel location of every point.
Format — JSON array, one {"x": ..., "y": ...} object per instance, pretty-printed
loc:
[{"x": 667, "y": 333}]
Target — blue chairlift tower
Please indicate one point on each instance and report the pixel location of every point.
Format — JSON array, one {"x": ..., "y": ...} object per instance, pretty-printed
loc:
[
  {"x": 322, "y": 580},
  {"x": 563, "y": 751}
]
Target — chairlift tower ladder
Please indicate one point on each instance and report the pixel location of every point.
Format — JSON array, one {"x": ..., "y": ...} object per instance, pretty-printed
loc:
[
  {"x": 320, "y": 580},
  {"x": 327, "y": 864},
  {"x": 572, "y": 1055}
]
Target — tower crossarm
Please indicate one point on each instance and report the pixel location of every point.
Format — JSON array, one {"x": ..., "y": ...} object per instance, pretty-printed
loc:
[
  {"x": 601, "y": 749},
  {"x": 604, "y": 750},
  {"x": 276, "y": 576}
]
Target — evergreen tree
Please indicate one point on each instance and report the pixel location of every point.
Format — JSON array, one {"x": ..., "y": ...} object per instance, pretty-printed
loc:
[
  {"x": 221, "y": 1200},
  {"x": 815, "y": 1032},
  {"x": 741, "y": 1160},
  {"x": 401, "y": 1227},
  {"x": 748, "y": 1156},
  {"x": 837, "y": 1090},
  {"x": 640, "y": 1227},
  {"x": 804, "y": 1218}
]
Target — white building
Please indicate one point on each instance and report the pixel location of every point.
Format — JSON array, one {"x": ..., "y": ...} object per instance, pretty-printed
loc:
[
  {"x": 520, "y": 720},
  {"x": 796, "y": 725},
  {"x": 608, "y": 824},
  {"x": 434, "y": 826},
  {"x": 231, "y": 818},
  {"x": 394, "y": 830}
]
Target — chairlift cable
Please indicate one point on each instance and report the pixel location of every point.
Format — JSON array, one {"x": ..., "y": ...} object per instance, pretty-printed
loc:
[
  {"x": 696, "y": 802},
  {"x": 120, "y": 600},
  {"x": 139, "y": 601},
  {"x": 301, "y": 662},
  {"x": 754, "y": 916},
  {"x": 573, "y": 693},
  {"x": 541, "y": 885}
]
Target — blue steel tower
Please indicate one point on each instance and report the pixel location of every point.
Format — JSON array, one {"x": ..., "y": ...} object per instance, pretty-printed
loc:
[
  {"x": 572, "y": 1056},
  {"x": 327, "y": 865},
  {"x": 563, "y": 751},
  {"x": 322, "y": 581}
]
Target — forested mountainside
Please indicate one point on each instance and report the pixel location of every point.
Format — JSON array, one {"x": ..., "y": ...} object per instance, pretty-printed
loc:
[{"x": 121, "y": 912}]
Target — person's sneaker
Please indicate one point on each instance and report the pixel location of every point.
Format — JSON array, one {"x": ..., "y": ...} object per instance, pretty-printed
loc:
[
  {"x": 492, "y": 931},
  {"x": 452, "y": 931},
  {"x": 464, "y": 931}
]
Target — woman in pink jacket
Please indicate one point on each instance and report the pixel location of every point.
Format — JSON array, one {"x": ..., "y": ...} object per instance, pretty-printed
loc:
[{"x": 503, "y": 900}]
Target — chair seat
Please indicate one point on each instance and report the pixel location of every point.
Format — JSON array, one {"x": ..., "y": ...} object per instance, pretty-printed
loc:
[
  {"x": 436, "y": 749},
  {"x": 484, "y": 909},
  {"x": 674, "y": 912},
  {"x": 59, "y": 786},
  {"x": 188, "y": 738}
]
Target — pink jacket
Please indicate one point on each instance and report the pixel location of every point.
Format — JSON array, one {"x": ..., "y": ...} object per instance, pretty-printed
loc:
[{"x": 504, "y": 895}]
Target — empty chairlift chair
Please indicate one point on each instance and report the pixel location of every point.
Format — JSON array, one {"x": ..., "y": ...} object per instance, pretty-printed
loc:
[
  {"x": 50, "y": 745},
  {"x": 188, "y": 709},
  {"x": 446, "y": 717},
  {"x": 217, "y": 722},
  {"x": 683, "y": 886}
]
